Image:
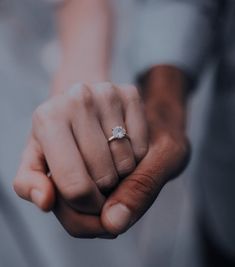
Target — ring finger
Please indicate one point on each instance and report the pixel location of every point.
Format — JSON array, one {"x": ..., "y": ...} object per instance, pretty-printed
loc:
[
  {"x": 111, "y": 116},
  {"x": 91, "y": 140}
]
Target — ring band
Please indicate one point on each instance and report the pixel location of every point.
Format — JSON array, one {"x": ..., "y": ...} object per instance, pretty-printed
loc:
[{"x": 118, "y": 133}]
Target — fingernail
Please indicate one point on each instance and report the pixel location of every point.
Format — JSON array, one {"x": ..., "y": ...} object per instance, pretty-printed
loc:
[
  {"x": 37, "y": 197},
  {"x": 119, "y": 217}
]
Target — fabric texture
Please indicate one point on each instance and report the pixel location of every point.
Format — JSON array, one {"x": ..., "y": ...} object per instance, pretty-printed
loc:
[{"x": 182, "y": 32}]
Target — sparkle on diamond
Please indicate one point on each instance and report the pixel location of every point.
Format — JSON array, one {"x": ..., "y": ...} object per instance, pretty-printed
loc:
[{"x": 119, "y": 132}]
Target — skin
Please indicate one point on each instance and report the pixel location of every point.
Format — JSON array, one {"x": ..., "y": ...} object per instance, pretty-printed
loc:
[
  {"x": 69, "y": 138},
  {"x": 168, "y": 154},
  {"x": 94, "y": 188}
]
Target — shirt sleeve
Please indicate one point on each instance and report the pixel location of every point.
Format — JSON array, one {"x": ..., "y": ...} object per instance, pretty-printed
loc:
[{"x": 173, "y": 32}]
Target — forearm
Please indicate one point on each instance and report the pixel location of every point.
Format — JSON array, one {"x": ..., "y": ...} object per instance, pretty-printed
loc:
[
  {"x": 166, "y": 91},
  {"x": 84, "y": 30}
]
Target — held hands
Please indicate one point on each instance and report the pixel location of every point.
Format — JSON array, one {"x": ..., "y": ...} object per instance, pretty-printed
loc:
[
  {"x": 96, "y": 188},
  {"x": 70, "y": 139}
]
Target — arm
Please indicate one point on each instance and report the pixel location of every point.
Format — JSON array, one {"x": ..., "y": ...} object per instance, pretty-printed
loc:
[
  {"x": 176, "y": 33},
  {"x": 170, "y": 51},
  {"x": 70, "y": 131},
  {"x": 84, "y": 31},
  {"x": 168, "y": 154},
  {"x": 84, "y": 57}
]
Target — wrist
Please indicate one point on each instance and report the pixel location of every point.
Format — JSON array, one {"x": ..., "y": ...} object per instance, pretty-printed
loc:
[
  {"x": 165, "y": 94},
  {"x": 84, "y": 33},
  {"x": 166, "y": 83},
  {"x": 66, "y": 76}
]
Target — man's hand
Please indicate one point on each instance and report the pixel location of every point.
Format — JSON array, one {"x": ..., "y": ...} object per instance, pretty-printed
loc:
[{"x": 167, "y": 156}]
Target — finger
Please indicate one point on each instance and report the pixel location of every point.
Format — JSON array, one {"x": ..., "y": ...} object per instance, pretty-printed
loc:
[
  {"x": 135, "y": 120},
  {"x": 91, "y": 140},
  {"x": 111, "y": 115},
  {"x": 77, "y": 224},
  {"x": 165, "y": 159},
  {"x": 68, "y": 170},
  {"x": 138, "y": 191},
  {"x": 31, "y": 182}
]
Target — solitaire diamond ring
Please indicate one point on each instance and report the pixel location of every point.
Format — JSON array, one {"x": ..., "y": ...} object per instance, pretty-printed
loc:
[{"x": 118, "y": 133}]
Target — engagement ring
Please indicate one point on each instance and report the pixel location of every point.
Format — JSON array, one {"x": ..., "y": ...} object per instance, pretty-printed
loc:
[{"x": 118, "y": 133}]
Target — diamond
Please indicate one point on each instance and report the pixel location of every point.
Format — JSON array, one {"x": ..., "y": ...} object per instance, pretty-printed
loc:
[{"x": 119, "y": 132}]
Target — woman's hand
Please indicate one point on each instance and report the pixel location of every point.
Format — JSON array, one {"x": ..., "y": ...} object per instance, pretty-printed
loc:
[{"x": 69, "y": 139}]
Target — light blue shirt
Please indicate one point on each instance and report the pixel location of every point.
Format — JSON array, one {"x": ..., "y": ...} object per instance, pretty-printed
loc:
[{"x": 187, "y": 34}]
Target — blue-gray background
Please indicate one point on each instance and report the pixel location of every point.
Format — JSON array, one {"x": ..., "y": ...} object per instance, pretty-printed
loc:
[{"x": 166, "y": 236}]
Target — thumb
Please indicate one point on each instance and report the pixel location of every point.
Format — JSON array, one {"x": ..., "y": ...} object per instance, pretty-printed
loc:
[
  {"x": 137, "y": 192},
  {"x": 133, "y": 197}
]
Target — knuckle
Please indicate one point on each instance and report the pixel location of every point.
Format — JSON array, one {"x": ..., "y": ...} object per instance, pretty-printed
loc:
[
  {"x": 44, "y": 113},
  {"x": 178, "y": 150},
  {"x": 183, "y": 153},
  {"x": 107, "y": 182},
  {"x": 110, "y": 96},
  {"x": 180, "y": 147},
  {"x": 77, "y": 190},
  {"x": 80, "y": 95},
  {"x": 18, "y": 187},
  {"x": 108, "y": 93},
  {"x": 186, "y": 146},
  {"x": 48, "y": 113},
  {"x": 143, "y": 184},
  {"x": 75, "y": 89},
  {"x": 125, "y": 166},
  {"x": 72, "y": 230},
  {"x": 140, "y": 152},
  {"x": 131, "y": 93},
  {"x": 21, "y": 187},
  {"x": 40, "y": 115},
  {"x": 167, "y": 141},
  {"x": 103, "y": 86}
]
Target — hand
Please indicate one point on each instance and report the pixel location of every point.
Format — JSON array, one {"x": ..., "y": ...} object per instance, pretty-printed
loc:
[
  {"x": 69, "y": 139},
  {"x": 168, "y": 153}
]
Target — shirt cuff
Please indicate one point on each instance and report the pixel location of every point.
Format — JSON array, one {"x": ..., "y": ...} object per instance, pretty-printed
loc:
[{"x": 177, "y": 34}]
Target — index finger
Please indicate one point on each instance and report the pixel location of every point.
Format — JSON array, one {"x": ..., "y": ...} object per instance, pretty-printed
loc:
[{"x": 66, "y": 165}]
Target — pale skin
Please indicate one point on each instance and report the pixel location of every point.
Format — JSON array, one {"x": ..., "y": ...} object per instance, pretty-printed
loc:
[{"x": 96, "y": 188}]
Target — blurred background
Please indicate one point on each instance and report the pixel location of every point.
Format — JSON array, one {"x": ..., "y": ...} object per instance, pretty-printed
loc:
[{"x": 167, "y": 234}]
